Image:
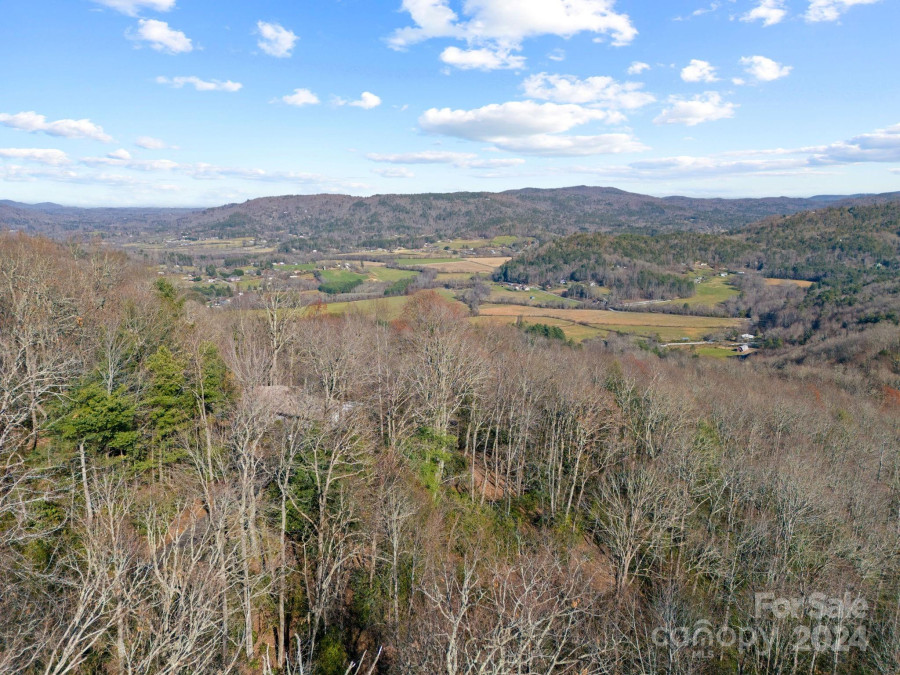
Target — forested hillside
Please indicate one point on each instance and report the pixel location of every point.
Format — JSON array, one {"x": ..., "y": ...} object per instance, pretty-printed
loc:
[
  {"x": 307, "y": 222},
  {"x": 276, "y": 490},
  {"x": 852, "y": 254}
]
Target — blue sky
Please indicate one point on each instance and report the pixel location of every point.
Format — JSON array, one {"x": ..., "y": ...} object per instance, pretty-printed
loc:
[{"x": 203, "y": 102}]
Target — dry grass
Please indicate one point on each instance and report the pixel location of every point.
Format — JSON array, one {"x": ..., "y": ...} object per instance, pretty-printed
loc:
[
  {"x": 574, "y": 331},
  {"x": 802, "y": 283},
  {"x": 384, "y": 309},
  {"x": 666, "y": 326},
  {"x": 469, "y": 265}
]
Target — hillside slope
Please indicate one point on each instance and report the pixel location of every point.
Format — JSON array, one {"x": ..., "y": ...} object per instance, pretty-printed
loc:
[{"x": 383, "y": 220}]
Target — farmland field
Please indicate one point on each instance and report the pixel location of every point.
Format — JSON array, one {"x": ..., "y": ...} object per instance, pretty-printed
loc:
[
  {"x": 411, "y": 260},
  {"x": 453, "y": 276},
  {"x": 469, "y": 265},
  {"x": 385, "y": 309},
  {"x": 574, "y": 331},
  {"x": 665, "y": 326},
  {"x": 501, "y": 293},
  {"x": 388, "y": 274},
  {"x": 710, "y": 292},
  {"x": 498, "y": 241},
  {"x": 802, "y": 283},
  {"x": 339, "y": 276}
]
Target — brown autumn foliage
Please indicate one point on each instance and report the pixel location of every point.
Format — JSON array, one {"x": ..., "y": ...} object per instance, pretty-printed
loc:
[{"x": 331, "y": 494}]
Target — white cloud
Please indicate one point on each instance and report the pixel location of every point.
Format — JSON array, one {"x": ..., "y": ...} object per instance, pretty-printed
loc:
[
  {"x": 200, "y": 85},
  {"x": 133, "y": 7},
  {"x": 532, "y": 128},
  {"x": 880, "y": 146},
  {"x": 515, "y": 118},
  {"x": 464, "y": 160},
  {"x": 426, "y": 157},
  {"x": 275, "y": 40},
  {"x": 714, "y": 165},
  {"x": 67, "y": 128},
  {"x": 638, "y": 67},
  {"x": 883, "y": 145},
  {"x": 769, "y": 12},
  {"x": 763, "y": 69},
  {"x": 112, "y": 171},
  {"x": 706, "y": 107},
  {"x": 831, "y": 10},
  {"x": 492, "y": 163},
  {"x": 557, "y": 55},
  {"x": 538, "y": 144},
  {"x": 699, "y": 71},
  {"x": 688, "y": 166},
  {"x": 129, "y": 163},
  {"x": 548, "y": 145},
  {"x": 301, "y": 97},
  {"x": 367, "y": 101},
  {"x": 150, "y": 143},
  {"x": 481, "y": 59},
  {"x": 507, "y": 24},
  {"x": 700, "y": 11},
  {"x": 161, "y": 37},
  {"x": 39, "y": 155},
  {"x": 121, "y": 153},
  {"x": 394, "y": 172},
  {"x": 601, "y": 91}
]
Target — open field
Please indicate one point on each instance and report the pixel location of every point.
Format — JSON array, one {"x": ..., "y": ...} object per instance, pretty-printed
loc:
[
  {"x": 453, "y": 276},
  {"x": 574, "y": 331},
  {"x": 498, "y": 241},
  {"x": 802, "y": 283},
  {"x": 500, "y": 293},
  {"x": 339, "y": 276},
  {"x": 385, "y": 309},
  {"x": 388, "y": 274},
  {"x": 424, "y": 259},
  {"x": 300, "y": 267},
  {"x": 202, "y": 246},
  {"x": 665, "y": 326},
  {"x": 710, "y": 292},
  {"x": 469, "y": 265}
]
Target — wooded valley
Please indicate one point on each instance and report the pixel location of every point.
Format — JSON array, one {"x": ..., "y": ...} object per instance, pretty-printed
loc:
[{"x": 273, "y": 487}]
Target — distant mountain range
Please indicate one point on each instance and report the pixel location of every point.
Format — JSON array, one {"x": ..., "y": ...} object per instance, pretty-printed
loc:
[{"x": 384, "y": 218}]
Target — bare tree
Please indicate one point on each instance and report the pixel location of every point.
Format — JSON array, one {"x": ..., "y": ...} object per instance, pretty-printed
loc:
[
  {"x": 631, "y": 519},
  {"x": 449, "y": 364},
  {"x": 250, "y": 424},
  {"x": 96, "y": 577}
]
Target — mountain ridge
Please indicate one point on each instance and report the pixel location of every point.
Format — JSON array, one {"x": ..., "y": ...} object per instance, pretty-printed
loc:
[{"x": 382, "y": 217}]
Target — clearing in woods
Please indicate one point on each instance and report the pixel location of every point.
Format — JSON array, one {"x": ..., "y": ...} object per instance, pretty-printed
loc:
[
  {"x": 710, "y": 292},
  {"x": 802, "y": 283}
]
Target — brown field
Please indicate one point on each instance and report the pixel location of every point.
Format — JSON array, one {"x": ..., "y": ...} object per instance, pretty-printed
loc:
[
  {"x": 469, "y": 265},
  {"x": 802, "y": 283},
  {"x": 386, "y": 309},
  {"x": 454, "y": 276},
  {"x": 665, "y": 326},
  {"x": 574, "y": 331}
]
